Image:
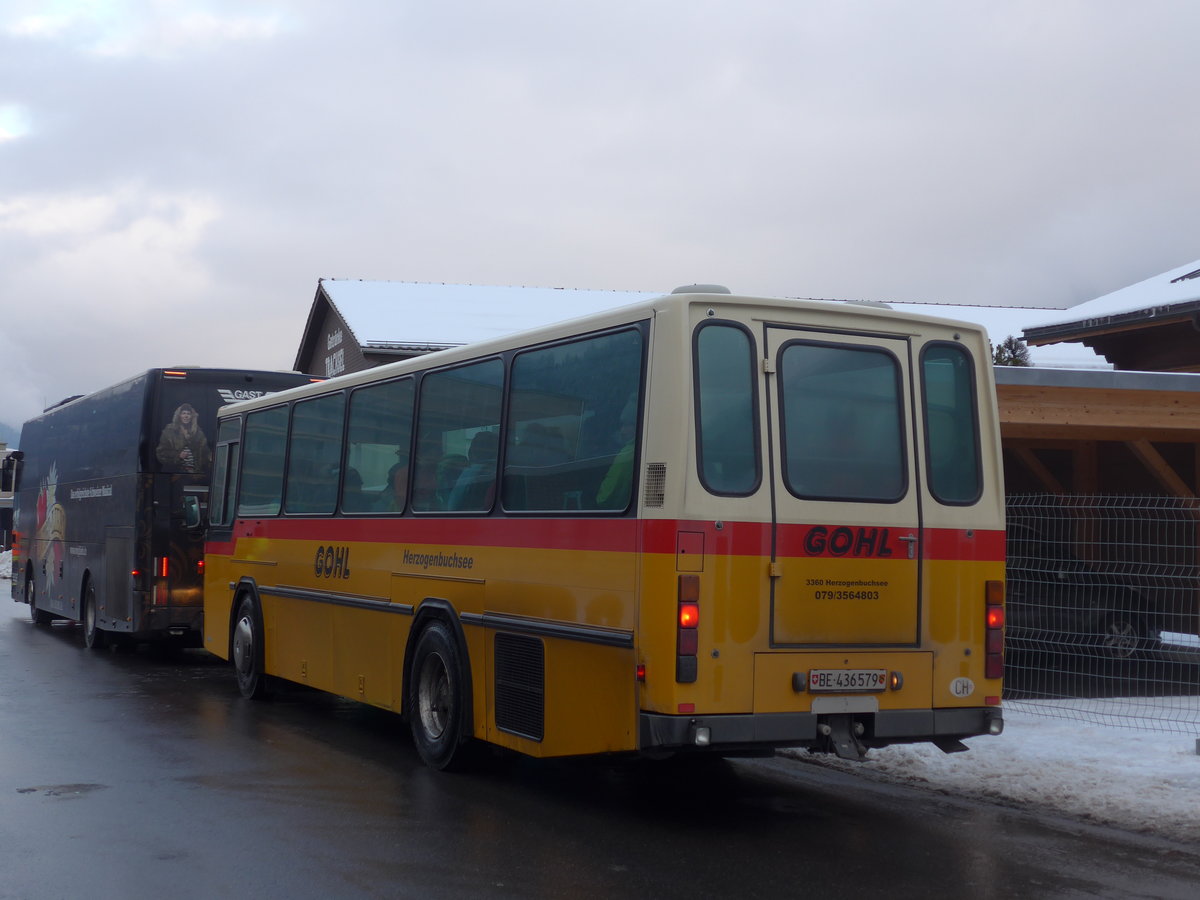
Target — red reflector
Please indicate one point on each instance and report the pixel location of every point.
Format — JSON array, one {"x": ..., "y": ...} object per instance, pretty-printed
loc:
[
  {"x": 993, "y": 666},
  {"x": 641, "y": 673},
  {"x": 995, "y": 617},
  {"x": 200, "y": 567},
  {"x": 687, "y": 707},
  {"x": 136, "y": 572},
  {"x": 991, "y": 701},
  {"x": 689, "y": 615},
  {"x": 994, "y": 593},
  {"x": 995, "y": 642},
  {"x": 689, "y": 641},
  {"x": 689, "y": 588}
]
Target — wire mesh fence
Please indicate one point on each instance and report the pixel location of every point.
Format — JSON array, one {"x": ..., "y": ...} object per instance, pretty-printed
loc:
[{"x": 1102, "y": 609}]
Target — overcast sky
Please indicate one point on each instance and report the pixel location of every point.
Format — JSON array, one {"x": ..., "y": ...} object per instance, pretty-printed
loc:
[{"x": 176, "y": 176}]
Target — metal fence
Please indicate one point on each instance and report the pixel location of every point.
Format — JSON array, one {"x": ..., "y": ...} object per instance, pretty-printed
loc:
[{"x": 1102, "y": 609}]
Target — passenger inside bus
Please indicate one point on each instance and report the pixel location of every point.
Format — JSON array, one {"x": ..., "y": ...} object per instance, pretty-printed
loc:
[{"x": 474, "y": 487}]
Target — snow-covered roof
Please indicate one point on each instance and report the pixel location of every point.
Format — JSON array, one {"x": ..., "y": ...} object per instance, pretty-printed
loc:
[
  {"x": 397, "y": 315},
  {"x": 1180, "y": 285},
  {"x": 407, "y": 315}
]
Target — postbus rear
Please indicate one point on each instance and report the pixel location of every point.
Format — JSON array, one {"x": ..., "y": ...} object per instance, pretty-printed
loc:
[{"x": 825, "y": 568}]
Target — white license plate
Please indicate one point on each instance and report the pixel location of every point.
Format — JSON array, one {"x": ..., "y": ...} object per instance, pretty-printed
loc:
[{"x": 846, "y": 680}]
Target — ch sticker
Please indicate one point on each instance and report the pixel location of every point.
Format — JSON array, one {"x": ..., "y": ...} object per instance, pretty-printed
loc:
[{"x": 962, "y": 687}]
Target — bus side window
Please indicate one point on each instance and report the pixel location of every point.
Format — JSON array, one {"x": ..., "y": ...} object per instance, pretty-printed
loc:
[
  {"x": 314, "y": 454},
  {"x": 573, "y": 411},
  {"x": 459, "y": 417},
  {"x": 377, "y": 447},
  {"x": 225, "y": 466},
  {"x": 262, "y": 469}
]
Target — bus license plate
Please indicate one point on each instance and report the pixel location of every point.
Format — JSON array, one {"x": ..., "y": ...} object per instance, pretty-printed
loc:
[{"x": 847, "y": 680}]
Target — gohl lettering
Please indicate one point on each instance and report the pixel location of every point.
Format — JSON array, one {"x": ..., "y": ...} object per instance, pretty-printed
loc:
[
  {"x": 332, "y": 562},
  {"x": 845, "y": 541}
]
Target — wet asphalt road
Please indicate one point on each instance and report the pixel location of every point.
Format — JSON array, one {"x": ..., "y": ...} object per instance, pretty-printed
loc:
[{"x": 148, "y": 776}]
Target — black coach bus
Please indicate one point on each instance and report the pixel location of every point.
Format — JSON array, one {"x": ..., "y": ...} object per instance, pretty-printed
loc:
[{"x": 109, "y": 494}]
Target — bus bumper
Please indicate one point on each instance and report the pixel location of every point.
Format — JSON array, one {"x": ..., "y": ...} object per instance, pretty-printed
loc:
[{"x": 731, "y": 733}]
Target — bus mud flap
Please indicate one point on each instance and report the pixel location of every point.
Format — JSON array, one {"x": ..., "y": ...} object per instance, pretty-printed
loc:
[{"x": 841, "y": 733}]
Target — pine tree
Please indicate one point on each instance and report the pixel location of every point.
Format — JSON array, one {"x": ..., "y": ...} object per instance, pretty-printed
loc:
[{"x": 1011, "y": 352}]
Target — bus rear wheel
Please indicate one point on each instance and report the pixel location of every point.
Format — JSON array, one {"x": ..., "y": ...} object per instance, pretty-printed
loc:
[
  {"x": 93, "y": 637},
  {"x": 246, "y": 650},
  {"x": 435, "y": 698},
  {"x": 39, "y": 617}
]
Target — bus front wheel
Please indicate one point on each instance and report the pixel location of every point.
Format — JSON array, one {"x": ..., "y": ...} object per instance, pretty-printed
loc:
[
  {"x": 435, "y": 698},
  {"x": 93, "y": 637},
  {"x": 246, "y": 650},
  {"x": 39, "y": 617}
]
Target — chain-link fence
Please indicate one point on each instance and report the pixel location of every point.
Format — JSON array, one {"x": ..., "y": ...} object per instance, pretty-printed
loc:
[{"x": 1103, "y": 597}]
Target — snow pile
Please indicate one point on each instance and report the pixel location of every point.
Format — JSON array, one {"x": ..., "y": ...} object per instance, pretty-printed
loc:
[
  {"x": 1139, "y": 781},
  {"x": 6, "y": 565}
]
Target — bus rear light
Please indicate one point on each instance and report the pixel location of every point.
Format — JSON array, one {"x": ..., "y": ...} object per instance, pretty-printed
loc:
[
  {"x": 687, "y": 637},
  {"x": 161, "y": 565},
  {"x": 174, "y": 373},
  {"x": 687, "y": 707},
  {"x": 993, "y": 643},
  {"x": 896, "y": 680},
  {"x": 640, "y": 673},
  {"x": 200, "y": 567}
]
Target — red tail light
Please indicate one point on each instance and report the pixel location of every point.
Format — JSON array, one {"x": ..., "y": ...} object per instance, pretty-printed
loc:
[
  {"x": 993, "y": 660},
  {"x": 687, "y": 638}
]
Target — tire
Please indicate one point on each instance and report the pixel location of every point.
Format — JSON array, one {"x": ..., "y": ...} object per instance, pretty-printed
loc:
[
  {"x": 38, "y": 616},
  {"x": 246, "y": 650},
  {"x": 436, "y": 698},
  {"x": 93, "y": 637}
]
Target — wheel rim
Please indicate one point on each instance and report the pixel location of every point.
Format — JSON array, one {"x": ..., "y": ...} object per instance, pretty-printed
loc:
[
  {"x": 243, "y": 645},
  {"x": 1120, "y": 638},
  {"x": 434, "y": 694}
]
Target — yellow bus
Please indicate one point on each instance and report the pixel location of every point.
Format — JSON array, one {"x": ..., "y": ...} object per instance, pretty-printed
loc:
[{"x": 700, "y": 523}]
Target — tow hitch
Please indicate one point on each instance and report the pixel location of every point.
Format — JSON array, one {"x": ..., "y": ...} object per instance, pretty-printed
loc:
[{"x": 841, "y": 735}]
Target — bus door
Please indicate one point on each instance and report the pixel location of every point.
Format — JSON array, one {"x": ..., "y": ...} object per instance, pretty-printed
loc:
[{"x": 846, "y": 514}]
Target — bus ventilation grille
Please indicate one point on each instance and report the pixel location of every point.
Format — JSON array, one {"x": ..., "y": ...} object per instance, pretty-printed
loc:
[
  {"x": 656, "y": 485},
  {"x": 521, "y": 685}
]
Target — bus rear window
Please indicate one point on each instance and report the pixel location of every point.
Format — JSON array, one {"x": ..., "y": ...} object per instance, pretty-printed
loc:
[
  {"x": 726, "y": 409},
  {"x": 951, "y": 425},
  {"x": 842, "y": 413}
]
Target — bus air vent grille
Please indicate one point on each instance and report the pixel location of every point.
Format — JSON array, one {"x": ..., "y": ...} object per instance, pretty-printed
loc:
[
  {"x": 520, "y": 685},
  {"x": 656, "y": 485}
]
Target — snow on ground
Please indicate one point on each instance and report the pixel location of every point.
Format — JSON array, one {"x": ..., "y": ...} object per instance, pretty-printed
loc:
[
  {"x": 1139, "y": 781},
  {"x": 1147, "y": 782}
]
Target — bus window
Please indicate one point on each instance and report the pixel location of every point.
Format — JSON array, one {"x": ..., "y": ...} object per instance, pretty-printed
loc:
[
  {"x": 951, "y": 428},
  {"x": 377, "y": 447},
  {"x": 573, "y": 417},
  {"x": 314, "y": 455},
  {"x": 458, "y": 438},
  {"x": 262, "y": 469},
  {"x": 726, "y": 409},
  {"x": 842, "y": 415},
  {"x": 225, "y": 462}
]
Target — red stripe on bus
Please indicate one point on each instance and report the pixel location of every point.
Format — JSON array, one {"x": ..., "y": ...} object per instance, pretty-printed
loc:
[{"x": 621, "y": 535}]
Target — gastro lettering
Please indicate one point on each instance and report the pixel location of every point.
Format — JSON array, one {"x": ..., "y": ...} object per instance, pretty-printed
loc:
[
  {"x": 845, "y": 541},
  {"x": 332, "y": 562}
]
